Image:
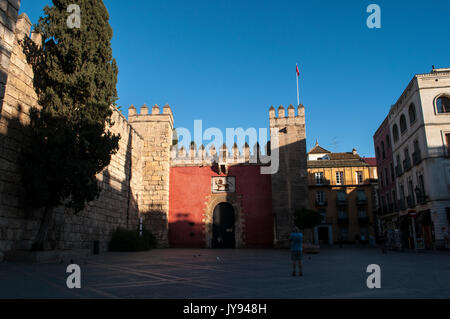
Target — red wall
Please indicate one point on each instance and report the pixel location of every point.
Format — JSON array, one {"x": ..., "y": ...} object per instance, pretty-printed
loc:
[{"x": 189, "y": 190}]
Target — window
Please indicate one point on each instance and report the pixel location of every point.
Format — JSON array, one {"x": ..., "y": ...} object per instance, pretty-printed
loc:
[
  {"x": 394, "y": 199},
  {"x": 416, "y": 146},
  {"x": 319, "y": 178},
  {"x": 362, "y": 213},
  {"x": 392, "y": 173},
  {"x": 383, "y": 153},
  {"x": 410, "y": 193},
  {"x": 339, "y": 178},
  {"x": 359, "y": 177},
  {"x": 320, "y": 197},
  {"x": 361, "y": 196},
  {"x": 421, "y": 189},
  {"x": 388, "y": 141},
  {"x": 416, "y": 154},
  {"x": 395, "y": 132},
  {"x": 386, "y": 176},
  {"x": 344, "y": 232},
  {"x": 403, "y": 126},
  {"x": 402, "y": 191},
  {"x": 443, "y": 104},
  {"x": 342, "y": 214},
  {"x": 447, "y": 139},
  {"x": 323, "y": 213},
  {"x": 378, "y": 152},
  {"x": 412, "y": 113},
  {"x": 341, "y": 196}
]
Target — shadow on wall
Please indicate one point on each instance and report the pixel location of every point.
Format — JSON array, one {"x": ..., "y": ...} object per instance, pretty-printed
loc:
[
  {"x": 116, "y": 206},
  {"x": 155, "y": 221},
  {"x": 289, "y": 187},
  {"x": 3, "y": 81},
  {"x": 185, "y": 233}
]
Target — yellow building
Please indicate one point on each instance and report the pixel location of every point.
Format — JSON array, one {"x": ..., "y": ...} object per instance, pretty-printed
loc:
[{"x": 342, "y": 188}]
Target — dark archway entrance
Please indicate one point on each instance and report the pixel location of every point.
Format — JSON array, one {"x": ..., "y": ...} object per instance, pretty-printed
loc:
[
  {"x": 223, "y": 226},
  {"x": 323, "y": 236}
]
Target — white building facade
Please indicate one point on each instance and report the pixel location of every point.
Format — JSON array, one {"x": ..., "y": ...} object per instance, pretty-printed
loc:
[{"x": 420, "y": 131}]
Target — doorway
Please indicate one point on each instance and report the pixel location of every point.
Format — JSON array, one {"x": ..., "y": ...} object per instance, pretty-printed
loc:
[
  {"x": 223, "y": 226},
  {"x": 323, "y": 236}
]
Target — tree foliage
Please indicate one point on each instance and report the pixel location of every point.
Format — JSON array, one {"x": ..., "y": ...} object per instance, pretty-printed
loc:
[{"x": 75, "y": 80}]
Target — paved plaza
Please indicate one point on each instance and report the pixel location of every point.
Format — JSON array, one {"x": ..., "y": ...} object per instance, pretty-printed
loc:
[{"x": 225, "y": 274}]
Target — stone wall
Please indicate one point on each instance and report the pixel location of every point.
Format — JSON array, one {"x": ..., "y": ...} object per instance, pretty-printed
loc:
[
  {"x": 156, "y": 129},
  {"x": 120, "y": 181},
  {"x": 289, "y": 184},
  {"x": 8, "y": 17}
]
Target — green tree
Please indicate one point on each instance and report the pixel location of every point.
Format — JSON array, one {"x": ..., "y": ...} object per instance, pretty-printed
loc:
[
  {"x": 75, "y": 79},
  {"x": 306, "y": 218}
]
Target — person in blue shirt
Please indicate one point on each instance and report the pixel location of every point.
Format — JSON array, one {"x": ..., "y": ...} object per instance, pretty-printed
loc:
[{"x": 297, "y": 250}]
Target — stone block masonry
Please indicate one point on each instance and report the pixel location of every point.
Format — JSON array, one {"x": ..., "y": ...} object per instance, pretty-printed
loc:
[
  {"x": 121, "y": 181},
  {"x": 289, "y": 184},
  {"x": 156, "y": 129}
]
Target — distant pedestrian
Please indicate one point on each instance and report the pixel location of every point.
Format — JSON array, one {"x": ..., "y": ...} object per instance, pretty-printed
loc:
[
  {"x": 296, "y": 250},
  {"x": 363, "y": 240}
]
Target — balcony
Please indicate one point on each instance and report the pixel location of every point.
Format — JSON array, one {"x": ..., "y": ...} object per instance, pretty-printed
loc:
[
  {"x": 417, "y": 157},
  {"x": 323, "y": 182},
  {"x": 406, "y": 164},
  {"x": 398, "y": 170}
]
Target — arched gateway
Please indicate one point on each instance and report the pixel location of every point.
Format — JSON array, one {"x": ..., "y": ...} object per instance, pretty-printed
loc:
[{"x": 223, "y": 226}]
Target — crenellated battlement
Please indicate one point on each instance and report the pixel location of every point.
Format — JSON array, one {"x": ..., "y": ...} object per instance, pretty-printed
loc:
[
  {"x": 121, "y": 122},
  {"x": 202, "y": 157},
  {"x": 154, "y": 116},
  {"x": 278, "y": 117},
  {"x": 23, "y": 29}
]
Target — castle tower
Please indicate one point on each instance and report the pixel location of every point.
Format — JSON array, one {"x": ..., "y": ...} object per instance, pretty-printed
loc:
[
  {"x": 156, "y": 129},
  {"x": 289, "y": 183}
]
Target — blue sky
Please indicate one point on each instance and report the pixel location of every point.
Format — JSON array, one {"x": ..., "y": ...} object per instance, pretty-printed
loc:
[{"x": 226, "y": 62}]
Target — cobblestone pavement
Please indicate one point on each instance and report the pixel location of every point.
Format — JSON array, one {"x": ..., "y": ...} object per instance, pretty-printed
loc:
[{"x": 197, "y": 273}]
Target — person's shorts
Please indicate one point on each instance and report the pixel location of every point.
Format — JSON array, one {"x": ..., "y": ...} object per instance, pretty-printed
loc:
[{"x": 296, "y": 255}]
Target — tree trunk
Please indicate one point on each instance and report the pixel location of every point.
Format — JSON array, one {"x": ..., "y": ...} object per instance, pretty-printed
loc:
[{"x": 41, "y": 237}]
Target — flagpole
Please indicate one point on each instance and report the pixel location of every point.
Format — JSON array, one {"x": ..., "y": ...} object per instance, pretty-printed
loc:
[{"x": 298, "y": 96}]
